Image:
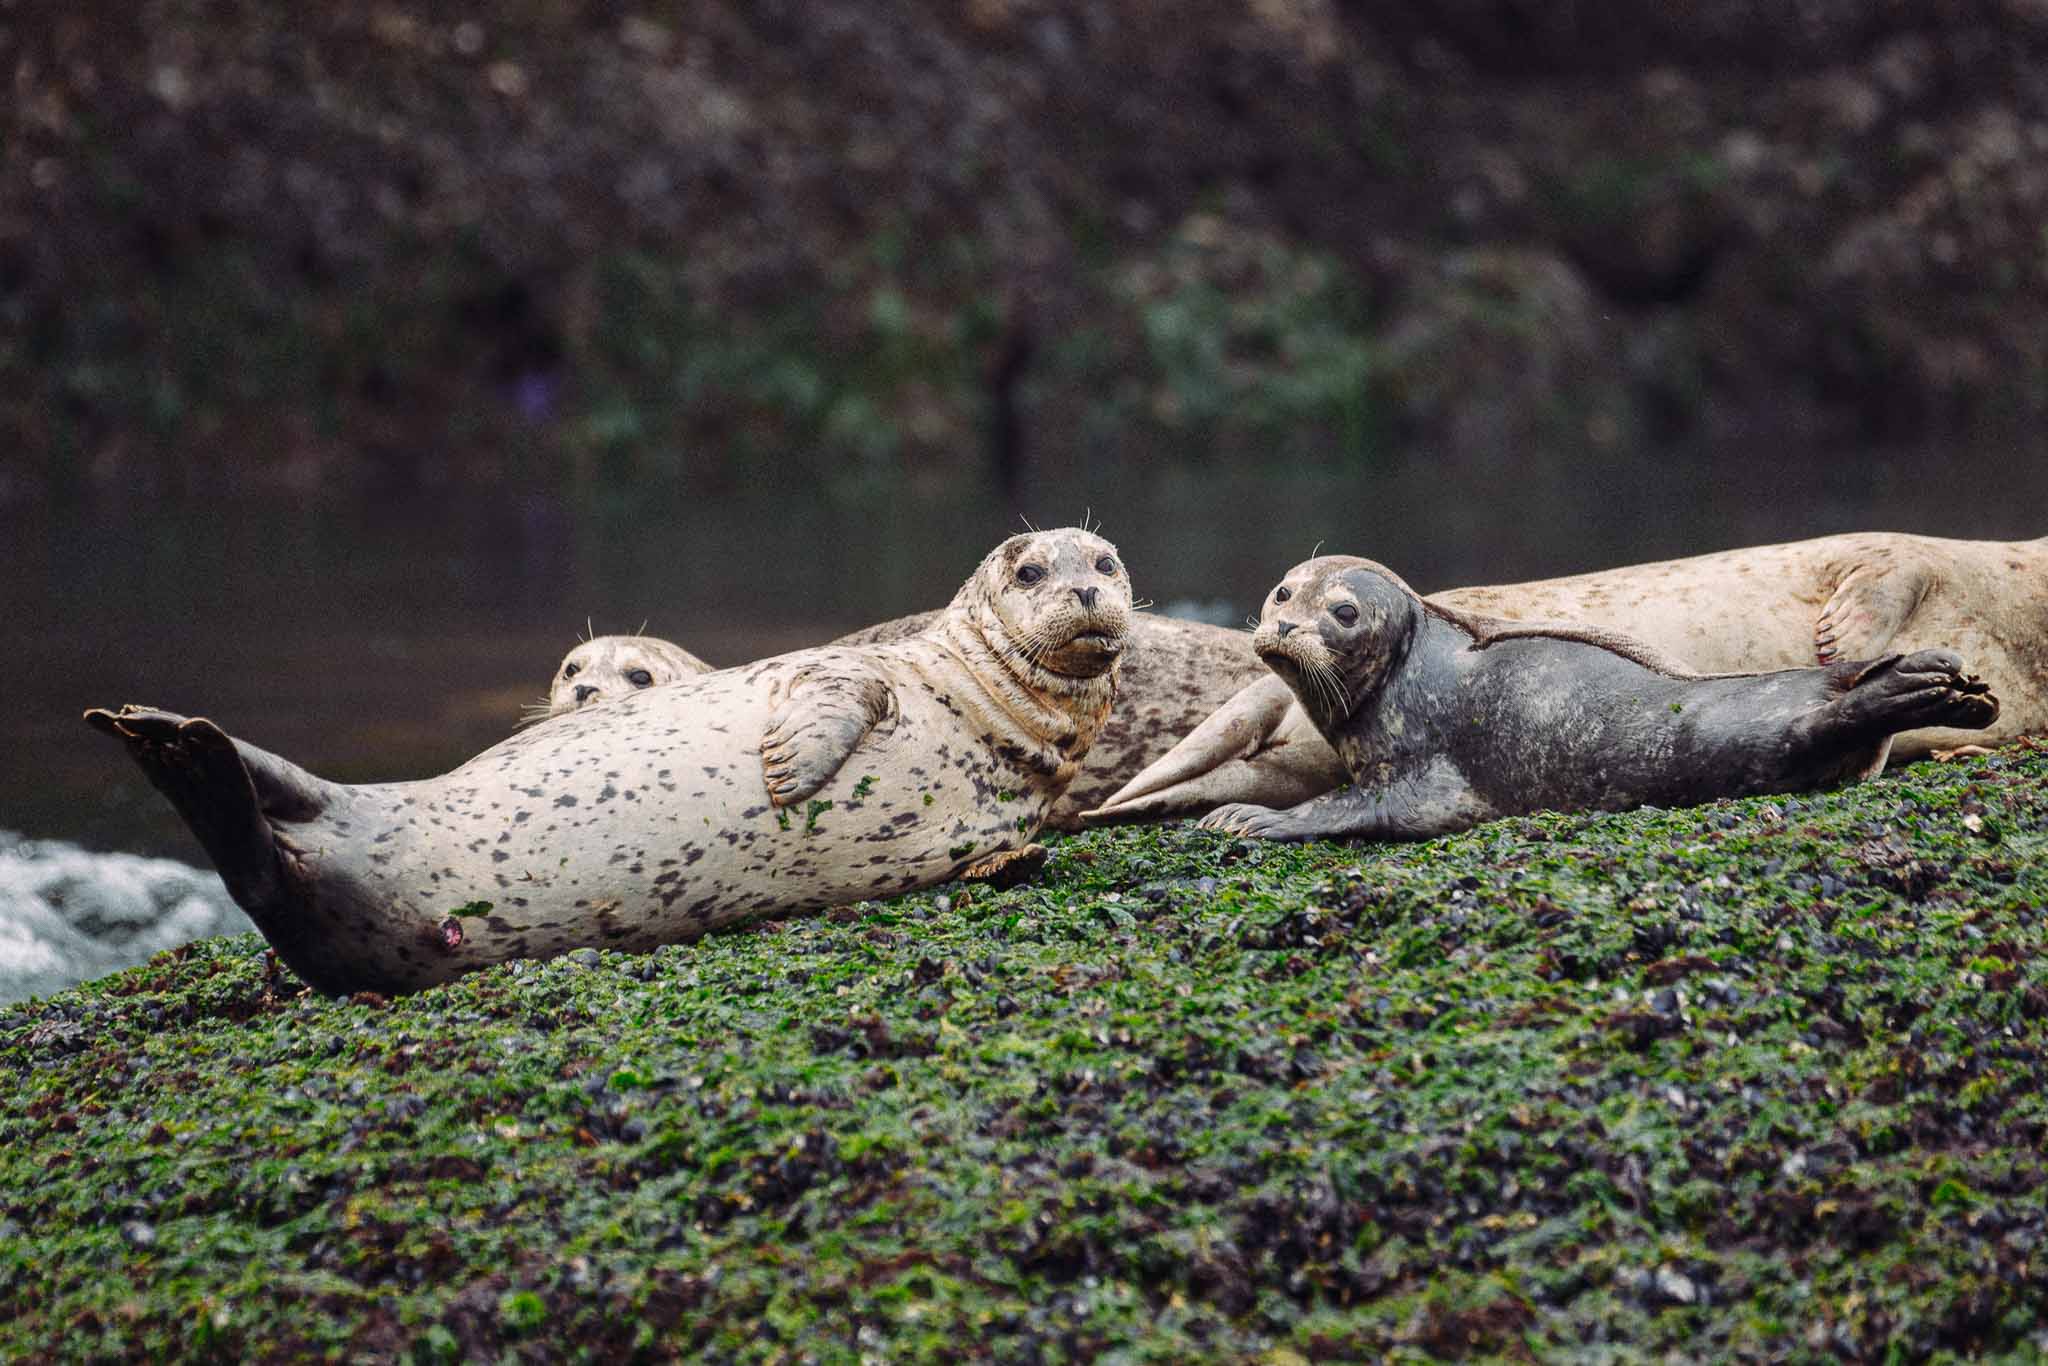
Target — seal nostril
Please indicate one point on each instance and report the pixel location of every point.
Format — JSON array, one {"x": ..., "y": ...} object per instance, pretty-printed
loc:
[
  {"x": 584, "y": 692},
  {"x": 1086, "y": 595},
  {"x": 1285, "y": 627}
]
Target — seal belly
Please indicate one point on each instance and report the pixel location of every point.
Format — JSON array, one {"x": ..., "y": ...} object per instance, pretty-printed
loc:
[{"x": 650, "y": 819}]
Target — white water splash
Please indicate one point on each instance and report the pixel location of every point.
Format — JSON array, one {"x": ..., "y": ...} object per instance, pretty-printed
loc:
[{"x": 67, "y": 914}]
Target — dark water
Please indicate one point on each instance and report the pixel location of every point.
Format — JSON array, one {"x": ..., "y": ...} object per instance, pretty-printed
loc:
[{"x": 394, "y": 640}]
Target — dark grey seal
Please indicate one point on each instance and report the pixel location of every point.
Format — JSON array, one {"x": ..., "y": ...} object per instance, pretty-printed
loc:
[{"x": 1444, "y": 720}]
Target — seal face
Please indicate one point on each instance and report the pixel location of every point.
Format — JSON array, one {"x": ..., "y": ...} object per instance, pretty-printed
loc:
[
  {"x": 1444, "y": 720},
  {"x": 1854, "y": 596},
  {"x": 605, "y": 667},
  {"x": 805, "y": 780}
]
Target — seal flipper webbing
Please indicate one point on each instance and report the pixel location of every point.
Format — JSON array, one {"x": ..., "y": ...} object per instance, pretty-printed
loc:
[
  {"x": 1907, "y": 692},
  {"x": 225, "y": 800},
  {"x": 817, "y": 728},
  {"x": 1876, "y": 699},
  {"x": 1869, "y": 607}
]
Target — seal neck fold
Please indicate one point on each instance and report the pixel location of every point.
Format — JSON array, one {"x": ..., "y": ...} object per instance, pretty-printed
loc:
[{"x": 1054, "y": 709}]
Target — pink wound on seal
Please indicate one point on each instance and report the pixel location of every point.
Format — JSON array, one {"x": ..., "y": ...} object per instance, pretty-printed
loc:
[{"x": 451, "y": 933}]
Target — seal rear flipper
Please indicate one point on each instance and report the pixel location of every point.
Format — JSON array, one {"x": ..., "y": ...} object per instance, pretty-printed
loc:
[
  {"x": 1868, "y": 609},
  {"x": 817, "y": 728},
  {"x": 201, "y": 770},
  {"x": 1182, "y": 778},
  {"x": 1876, "y": 699}
]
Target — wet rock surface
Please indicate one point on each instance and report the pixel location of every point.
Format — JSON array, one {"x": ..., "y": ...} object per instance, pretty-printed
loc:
[{"x": 1683, "y": 1084}]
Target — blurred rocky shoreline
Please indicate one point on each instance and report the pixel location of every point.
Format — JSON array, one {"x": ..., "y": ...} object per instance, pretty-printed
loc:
[{"x": 392, "y": 247}]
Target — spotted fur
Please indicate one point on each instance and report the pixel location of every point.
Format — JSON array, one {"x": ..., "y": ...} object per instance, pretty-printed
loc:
[{"x": 650, "y": 820}]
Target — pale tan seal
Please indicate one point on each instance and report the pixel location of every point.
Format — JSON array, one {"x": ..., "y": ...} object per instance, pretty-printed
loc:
[
  {"x": 606, "y": 667},
  {"x": 1445, "y": 718},
  {"x": 813, "y": 778},
  {"x": 1852, "y": 596}
]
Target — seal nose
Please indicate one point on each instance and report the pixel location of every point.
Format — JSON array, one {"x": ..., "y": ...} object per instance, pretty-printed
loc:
[
  {"x": 584, "y": 692},
  {"x": 1285, "y": 627},
  {"x": 1086, "y": 595}
]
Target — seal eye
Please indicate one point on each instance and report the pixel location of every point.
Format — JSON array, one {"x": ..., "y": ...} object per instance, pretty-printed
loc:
[
  {"x": 1029, "y": 573},
  {"x": 1345, "y": 613},
  {"x": 640, "y": 678},
  {"x": 1105, "y": 565},
  {"x": 1282, "y": 594},
  {"x": 571, "y": 670}
]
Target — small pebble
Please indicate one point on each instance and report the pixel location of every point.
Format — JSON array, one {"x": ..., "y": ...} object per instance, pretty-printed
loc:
[{"x": 1675, "y": 1286}]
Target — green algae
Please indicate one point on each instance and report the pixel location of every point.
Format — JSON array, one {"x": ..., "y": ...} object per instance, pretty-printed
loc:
[{"x": 1763, "y": 1079}]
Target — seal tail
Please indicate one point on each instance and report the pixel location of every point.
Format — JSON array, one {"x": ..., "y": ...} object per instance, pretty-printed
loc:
[{"x": 227, "y": 792}]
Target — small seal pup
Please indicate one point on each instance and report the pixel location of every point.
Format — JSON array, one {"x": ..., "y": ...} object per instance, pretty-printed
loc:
[
  {"x": 1445, "y": 719},
  {"x": 605, "y": 667},
  {"x": 809, "y": 779},
  {"x": 1852, "y": 596}
]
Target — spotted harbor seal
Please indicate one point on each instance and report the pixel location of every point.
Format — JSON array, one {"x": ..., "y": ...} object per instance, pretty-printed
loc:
[
  {"x": 605, "y": 667},
  {"x": 1445, "y": 719},
  {"x": 1853, "y": 596},
  {"x": 812, "y": 778}
]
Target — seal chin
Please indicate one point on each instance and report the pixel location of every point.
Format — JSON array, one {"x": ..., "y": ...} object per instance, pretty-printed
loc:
[
  {"x": 1088, "y": 653},
  {"x": 1280, "y": 654}
]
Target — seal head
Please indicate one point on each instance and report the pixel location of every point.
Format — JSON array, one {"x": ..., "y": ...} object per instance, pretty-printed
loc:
[
  {"x": 1057, "y": 603},
  {"x": 1335, "y": 629},
  {"x": 606, "y": 667}
]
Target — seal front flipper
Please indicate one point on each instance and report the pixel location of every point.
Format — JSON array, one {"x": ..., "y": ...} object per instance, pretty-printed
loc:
[
  {"x": 827, "y": 712},
  {"x": 1418, "y": 806},
  {"x": 227, "y": 792},
  {"x": 1008, "y": 868},
  {"x": 1868, "y": 609}
]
